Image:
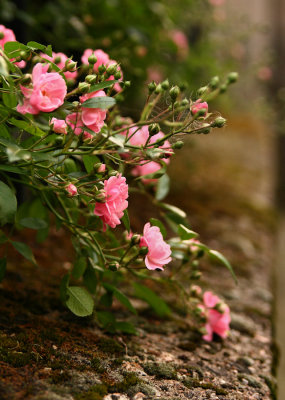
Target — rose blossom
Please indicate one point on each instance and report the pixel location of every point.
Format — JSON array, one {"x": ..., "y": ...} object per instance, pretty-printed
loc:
[
  {"x": 72, "y": 189},
  {"x": 46, "y": 94},
  {"x": 199, "y": 105},
  {"x": 102, "y": 168},
  {"x": 180, "y": 39},
  {"x": 9, "y": 36},
  {"x": 216, "y": 321},
  {"x": 58, "y": 125},
  {"x": 116, "y": 193},
  {"x": 61, "y": 63},
  {"x": 92, "y": 118},
  {"x": 158, "y": 250}
]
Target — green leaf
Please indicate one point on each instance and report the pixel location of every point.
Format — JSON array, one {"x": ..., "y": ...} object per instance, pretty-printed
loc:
[
  {"x": 37, "y": 46},
  {"x": 173, "y": 209},
  {"x": 216, "y": 255},
  {"x": 13, "y": 49},
  {"x": 79, "y": 301},
  {"x": 106, "y": 319},
  {"x": 162, "y": 187},
  {"x": 126, "y": 220},
  {"x": 125, "y": 327},
  {"x": 89, "y": 162},
  {"x": 3, "y": 264},
  {"x": 102, "y": 85},
  {"x": 15, "y": 153},
  {"x": 25, "y": 250},
  {"x": 146, "y": 294},
  {"x": 4, "y": 131},
  {"x": 15, "y": 170},
  {"x": 103, "y": 102},
  {"x": 120, "y": 296},
  {"x": 185, "y": 233},
  {"x": 79, "y": 268},
  {"x": 27, "y": 126},
  {"x": 8, "y": 204},
  {"x": 9, "y": 98},
  {"x": 157, "y": 222},
  {"x": 33, "y": 223}
]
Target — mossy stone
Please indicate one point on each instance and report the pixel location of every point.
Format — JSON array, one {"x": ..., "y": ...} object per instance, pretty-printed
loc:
[{"x": 160, "y": 370}]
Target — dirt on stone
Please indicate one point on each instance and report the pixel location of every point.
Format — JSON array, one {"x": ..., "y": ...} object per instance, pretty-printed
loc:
[{"x": 223, "y": 181}]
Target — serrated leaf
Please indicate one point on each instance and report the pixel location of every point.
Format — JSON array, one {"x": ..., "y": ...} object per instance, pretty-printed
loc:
[
  {"x": 162, "y": 187},
  {"x": 13, "y": 49},
  {"x": 3, "y": 264},
  {"x": 216, "y": 255},
  {"x": 185, "y": 233},
  {"x": 103, "y": 102},
  {"x": 79, "y": 301},
  {"x": 146, "y": 294},
  {"x": 120, "y": 296},
  {"x": 157, "y": 222},
  {"x": 25, "y": 250},
  {"x": 102, "y": 85},
  {"x": 8, "y": 204},
  {"x": 33, "y": 223},
  {"x": 126, "y": 221}
]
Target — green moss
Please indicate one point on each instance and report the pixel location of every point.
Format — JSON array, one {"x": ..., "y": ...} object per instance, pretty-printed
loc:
[
  {"x": 96, "y": 392},
  {"x": 15, "y": 359},
  {"x": 160, "y": 370},
  {"x": 130, "y": 379},
  {"x": 193, "y": 368},
  {"x": 195, "y": 383},
  {"x": 97, "y": 365},
  {"x": 143, "y": 388},
  {"x": 111, "y": 346}
]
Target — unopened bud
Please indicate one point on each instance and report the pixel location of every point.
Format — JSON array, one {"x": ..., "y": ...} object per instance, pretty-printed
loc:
[
  {"x": 199, "y": 311},
  {"x": 71, "y": 66},
  {"x": 91, "y": 79},
  {"x": 205, "y": 131},
  {"x": 113, "y": 172},
  {"x": 151, "y": 87},
  {"x": 184, "y": 102},
  {"x": 75, "y": 103},
  {"x": 232, "y": 77},
  {"x": 219, "y": 122},
  {"x": 158, "y": 89},
  {"x": 59, "y": 140},
  {"x": 195, "y": 290},
  {"x": 57, "y": 60},
  {"x": 178, "y": 145},
  {"x": 223, "y": 88},
  {"x": 112, "y": 69},
  {"x": 176, "y": 104},
  {"x": 174, "y": 92},
  {"x": 153, "y": 129},
  {"x": 92, "y": 59},
  {"x": 143, "y": 251},
  {"x": 101, "y": 69},
  {"x": 183, "y": 86},
  {"x": 127, "y": 84},
  {"x": 118, "y": 75},
  {"x": 114, "y": 266},
  {"x": 24, "y": 55},
  {"x": 83, "y": 87},
  {"x": 100, "y": 196},
  {"x": 214, "y": 82},
  {"x": 99, "y": 167},
  {"x": 26, "y": 79},
  {"x": 135, "y": 239},
  {"x": 165, "y": 84},
  {"x": 202, "y": 90},
  {"x": 221, "y": 307}
]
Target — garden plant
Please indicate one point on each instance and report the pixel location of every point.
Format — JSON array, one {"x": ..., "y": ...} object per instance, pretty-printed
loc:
[{"x": 70, "y": 158}]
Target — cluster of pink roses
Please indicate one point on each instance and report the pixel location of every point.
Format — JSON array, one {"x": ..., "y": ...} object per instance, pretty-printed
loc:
[
  {"x": 61, "y": 60},
  {"x": 217, "y": 316}
]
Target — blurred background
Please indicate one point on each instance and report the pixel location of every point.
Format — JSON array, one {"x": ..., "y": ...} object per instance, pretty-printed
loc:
[{"x": 189, "y": 42}]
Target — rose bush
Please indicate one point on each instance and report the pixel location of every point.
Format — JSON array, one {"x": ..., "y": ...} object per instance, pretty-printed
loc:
[{"x": 81, "y": 160}]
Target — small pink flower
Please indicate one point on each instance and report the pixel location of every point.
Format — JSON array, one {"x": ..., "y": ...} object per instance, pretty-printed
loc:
[
  {"x": 145, "y": 169},
  {"x": 58, "y": 125},
  {"x": 75, "y": 122},
  {"x": 93, "y": 118},
  {"x": 102, "y": 58},
  {"x": 181, "y": 41},
  {"x": 102, "y": 168},
  {"x": 46, "y": 94},
  {"x": 72, "y": 189},
  {"x": 137, "y": 136},
  {"x": 199, "y": 105},
  {"x": 20, "y": 64},
  {"x": 9, "y": 36},
  {"x": 217, "y": 322},
  {"x": 61, "y": 63},
  {"x": 159, "y": 252},
  {"x": 193, "y": 244},
  {"x": 112, "y": 210}
]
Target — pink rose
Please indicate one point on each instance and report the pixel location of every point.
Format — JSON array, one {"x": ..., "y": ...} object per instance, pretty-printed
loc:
[
  {"x": 137, "y": 136},
  {"x": 58, "y": 125},
  {"x": 46, "y": 94},
  {"x": 9, "y": 36},
  {"x": 61, "y": 63},
  {"x": 148, "y": 167},
  {"x": 158, "y": 250},
  {"x": 75, "y": 122},
  {"x": 217, "y": 322},
  {"x": 102, "y": 168},
  {"x": 199, "y": 105},
  {"x": 93, "y": 118},
  {"x": 181, "y": 41},
  {"x": 72, "y": 189},
  {"x": 116, "y": 193}
]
